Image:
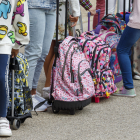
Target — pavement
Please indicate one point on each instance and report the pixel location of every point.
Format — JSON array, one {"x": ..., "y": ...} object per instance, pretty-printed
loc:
[{"x": 116, "y": 118}]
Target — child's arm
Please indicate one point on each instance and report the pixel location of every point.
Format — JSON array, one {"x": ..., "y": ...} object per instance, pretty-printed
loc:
[
  {"x": 86, "y": 4},
  {"x": 75, "y": 6},
  {"x": 21, "y": 24}
]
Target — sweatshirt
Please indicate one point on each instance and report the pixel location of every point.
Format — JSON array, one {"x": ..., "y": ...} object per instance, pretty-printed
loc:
[
  {"x": 134, "y": 19},
  {"x": 14, "y": 25}
]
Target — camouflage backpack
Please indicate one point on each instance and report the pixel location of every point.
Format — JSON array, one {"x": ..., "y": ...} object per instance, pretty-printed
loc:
[{"x": 22, "y": 100}]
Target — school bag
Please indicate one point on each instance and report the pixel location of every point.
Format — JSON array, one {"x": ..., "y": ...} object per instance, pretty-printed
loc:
[
  {"x": 112, "y": 39},
  {"x": 22, "y": 96},
  {"x": 113, "y": 23},
  {"x": 72, "y": 74},
  {"x": 98, "y": 53}
]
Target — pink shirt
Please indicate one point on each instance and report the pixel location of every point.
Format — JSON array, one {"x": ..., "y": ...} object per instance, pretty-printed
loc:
[{"x": 134, "y": 19}]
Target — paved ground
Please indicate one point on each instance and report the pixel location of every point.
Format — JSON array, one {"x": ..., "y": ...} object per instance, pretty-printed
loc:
[{"x": 117, "y": 118}]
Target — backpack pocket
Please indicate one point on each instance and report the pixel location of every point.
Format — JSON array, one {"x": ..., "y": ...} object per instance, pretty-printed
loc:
[
  {"x": 101, "y": 58},
  {"x": 105, "y": 83}
]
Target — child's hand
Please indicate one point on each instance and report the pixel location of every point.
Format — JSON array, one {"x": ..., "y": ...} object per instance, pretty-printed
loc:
[
  {"x": 73, "y": 19},
  {"x": 92, "y": 10},
  {"x": 14, "y": 52}
]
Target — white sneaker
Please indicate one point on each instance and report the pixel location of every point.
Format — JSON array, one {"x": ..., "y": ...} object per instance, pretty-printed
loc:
[
  {"x": 41, "y": 99},
  {"x": 37, "y": 93},
  {"x": 5, "y": 130},
  {"x": 46, "y": 92},
  {"x": 36, "y": 100},
  {"x": 136, "y": 77}
]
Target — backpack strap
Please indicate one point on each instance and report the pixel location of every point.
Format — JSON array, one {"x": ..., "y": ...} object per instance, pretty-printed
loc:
[{"x": 111, "y": 21}]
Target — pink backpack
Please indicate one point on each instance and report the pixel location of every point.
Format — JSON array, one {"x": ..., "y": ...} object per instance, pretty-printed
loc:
[
  {"x": 72, "y": 80},
  {"x": 98, "y": 53},
  {"x": 113, "y": 39}
]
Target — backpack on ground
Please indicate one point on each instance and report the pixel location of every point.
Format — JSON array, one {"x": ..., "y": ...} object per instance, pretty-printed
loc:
[
  {"x": 72, "y": 74},
  {"x": 22, "y": 100},
  {"x": 113, "y": 39},
  {"x": 98, "y": 53}
]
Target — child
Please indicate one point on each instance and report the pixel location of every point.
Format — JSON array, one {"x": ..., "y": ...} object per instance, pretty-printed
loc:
[
  {"x": 43, "y": 20},
  {"x": 130, "y": 35},
  {"x": 14, "y": 32}
]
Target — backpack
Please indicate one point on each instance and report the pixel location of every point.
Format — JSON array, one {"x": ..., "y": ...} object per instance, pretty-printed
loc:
[
  {"x": 112, "y": 39},
  {"x": 98, "y": 53},
  {"x": 72, "y": 80},
  {"x": 113, "y": 23},
  {"x": 23, "y": 100}
]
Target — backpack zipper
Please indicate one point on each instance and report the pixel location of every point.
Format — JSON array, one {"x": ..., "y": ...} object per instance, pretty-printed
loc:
[
  {"x": 66, "y": 58},
  {"x": 98, "y": 56},
  {"x": 87, "y": 41},
  {"x": 93, "y": 57},
  {"x": 79, "y": 75},
  {"x": 26, "y": 82},
  {"x": 72, "y": 75}
]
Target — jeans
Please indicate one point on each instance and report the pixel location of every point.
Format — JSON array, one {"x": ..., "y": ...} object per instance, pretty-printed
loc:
[
  {"x": 4, "y": 90},
  {"x": 128, "y": 39},
  {"x": 42, "y": 26}
]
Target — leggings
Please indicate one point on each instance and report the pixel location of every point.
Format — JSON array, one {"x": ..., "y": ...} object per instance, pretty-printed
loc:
[
  {"x": 4, "y": 91},
  {"x": 128, "y": 39}
]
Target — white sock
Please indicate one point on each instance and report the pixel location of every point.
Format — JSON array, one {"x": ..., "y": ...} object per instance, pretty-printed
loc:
[{"x": 46, "y": 88}]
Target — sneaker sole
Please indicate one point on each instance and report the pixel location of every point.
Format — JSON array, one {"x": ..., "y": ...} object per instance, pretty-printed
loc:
[
  {"x": 5, "y": 135},
  {"x": 124, "y": 95},
  {"x": 40, "y": 110}
]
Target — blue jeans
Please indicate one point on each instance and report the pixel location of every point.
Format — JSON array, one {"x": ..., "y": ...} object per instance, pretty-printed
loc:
[
  {"x": 4, "y": 90},
  {"x": 128, "y": 39},
  {"x": 42, "y": 26}
]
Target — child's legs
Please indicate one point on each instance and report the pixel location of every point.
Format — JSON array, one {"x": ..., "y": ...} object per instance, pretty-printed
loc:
[
  {"x": 111, "y": 6},
  {"x": 48, "y": 64},
  {"x": 121, "y": 5},
  {"x": 34, "y": 49},
  {"x": 4, "y": 90},
  {"x": 100, "y": 4},
  {"x": 48, "y": 76},
  {"x": 129, "y": 37},
  {"x": 48, "y": 36}
]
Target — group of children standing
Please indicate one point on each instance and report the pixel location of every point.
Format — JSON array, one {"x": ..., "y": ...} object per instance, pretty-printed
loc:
[{"x": 15, "y": 31}]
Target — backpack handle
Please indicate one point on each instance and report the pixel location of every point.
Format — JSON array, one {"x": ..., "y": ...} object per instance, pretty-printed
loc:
[
  {"x": 113, "y": 16},
  {"x": 111, "y": 21}
]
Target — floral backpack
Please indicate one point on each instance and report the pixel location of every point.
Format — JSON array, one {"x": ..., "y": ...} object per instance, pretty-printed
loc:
[
  {"x": 98, "y": 54},
  {"x": 113, "y": 39},
  {"x": 72, "y": 79},
  {"x": 113, "y": 23},
  {"x": 23, "y": 100}
]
